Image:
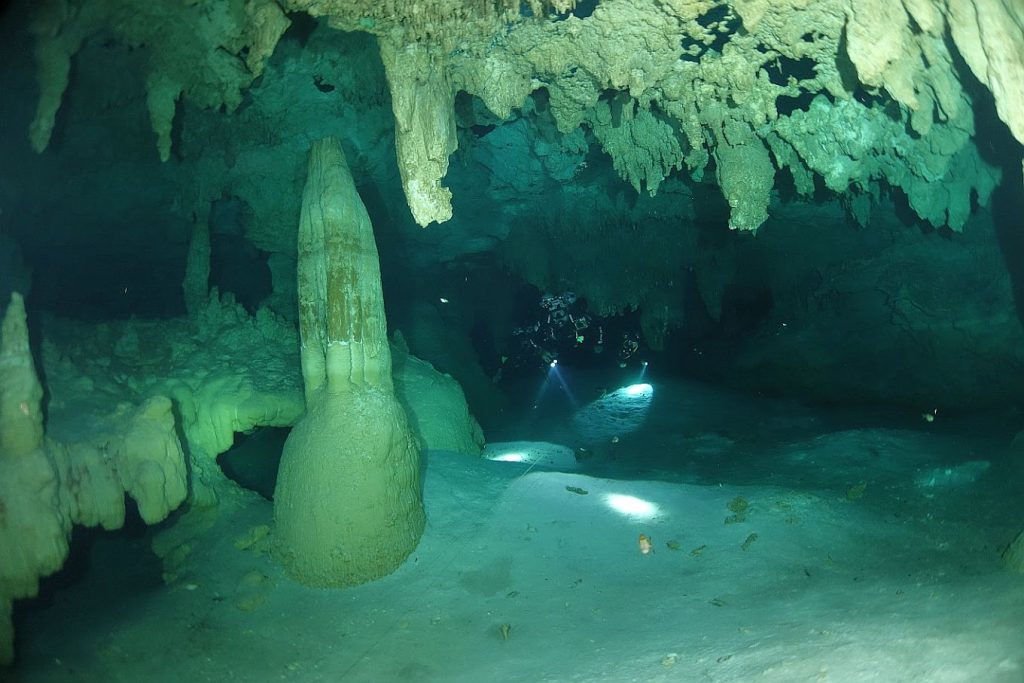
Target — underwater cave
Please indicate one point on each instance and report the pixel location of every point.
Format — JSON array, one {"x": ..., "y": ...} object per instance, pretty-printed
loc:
[{"x": 362, "y": 341}]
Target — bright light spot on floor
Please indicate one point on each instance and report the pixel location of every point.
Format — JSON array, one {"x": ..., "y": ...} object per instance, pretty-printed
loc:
[
  {"x": 631, "y": 506},
  {"x": 639, "y": 390},
  {"x": 621, "y": 412},
  {"x": 510, "y": 457},
  {"x": 540, "y": 453}
]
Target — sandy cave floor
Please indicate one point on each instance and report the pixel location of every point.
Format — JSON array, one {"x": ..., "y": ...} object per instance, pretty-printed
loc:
[{"x": 867, "y": 550}]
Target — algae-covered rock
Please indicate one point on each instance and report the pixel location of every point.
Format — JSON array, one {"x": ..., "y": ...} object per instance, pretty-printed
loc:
[{"x": 437, "y": 409}]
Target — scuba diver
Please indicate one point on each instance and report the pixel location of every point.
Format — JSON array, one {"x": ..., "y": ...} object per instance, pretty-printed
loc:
[{"x": 562, "y": 325}]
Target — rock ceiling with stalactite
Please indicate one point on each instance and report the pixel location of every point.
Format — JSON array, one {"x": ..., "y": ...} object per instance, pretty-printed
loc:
[
  {"x": 851, "y": 92},
  {"x": 597, "y": 146}
]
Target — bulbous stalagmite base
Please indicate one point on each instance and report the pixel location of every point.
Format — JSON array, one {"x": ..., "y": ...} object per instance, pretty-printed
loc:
[{"x": 347, "y": 505}]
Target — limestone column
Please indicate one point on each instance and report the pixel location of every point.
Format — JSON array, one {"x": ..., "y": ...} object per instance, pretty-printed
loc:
[
  {"x": 196, "y": 285},
  {"x": 347, "y": 506},
  {"x": 33, "y": 529}
]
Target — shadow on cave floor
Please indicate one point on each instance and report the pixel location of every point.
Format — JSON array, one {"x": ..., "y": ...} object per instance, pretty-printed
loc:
[
  {"x": 116, "y": 565},
  {"x": 253, "y": 459}
]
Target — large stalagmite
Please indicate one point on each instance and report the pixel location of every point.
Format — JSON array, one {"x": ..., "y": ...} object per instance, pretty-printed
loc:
[{"x": 347, "y": 505}]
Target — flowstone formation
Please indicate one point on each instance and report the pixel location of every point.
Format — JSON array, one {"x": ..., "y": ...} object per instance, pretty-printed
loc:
[
  {"x": 347, "y": 506},
  {"x": 47, "y": 486},
  {"x": 435, "y": 405}
]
